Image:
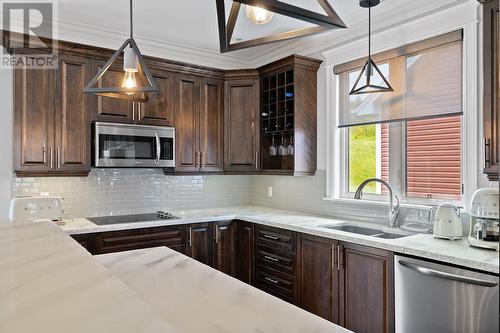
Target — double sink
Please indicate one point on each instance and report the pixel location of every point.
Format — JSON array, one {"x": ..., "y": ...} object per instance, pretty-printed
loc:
[{"x": 363, "y": 231}]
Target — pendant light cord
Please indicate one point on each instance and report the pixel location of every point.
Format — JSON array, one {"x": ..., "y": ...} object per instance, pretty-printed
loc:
[
  {"x": 369, "y": 31},
  {"x": 131, "y": 22}
]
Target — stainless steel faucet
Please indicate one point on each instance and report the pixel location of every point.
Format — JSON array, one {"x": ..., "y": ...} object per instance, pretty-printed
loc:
[{"x": 393, "y": 209}]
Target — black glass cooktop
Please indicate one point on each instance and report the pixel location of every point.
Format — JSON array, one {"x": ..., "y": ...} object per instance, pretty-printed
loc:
[{"x": 134, "y": 218}]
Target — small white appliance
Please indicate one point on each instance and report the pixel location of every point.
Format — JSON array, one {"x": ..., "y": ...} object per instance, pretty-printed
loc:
[
  {"x": 484, "y": 219},
  {"x": 447, "y": 222},
  {"x": 31, "y": 209}
]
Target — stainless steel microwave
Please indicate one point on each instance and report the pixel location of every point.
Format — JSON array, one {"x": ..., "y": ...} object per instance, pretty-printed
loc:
[{"x": 133, "y": 146}]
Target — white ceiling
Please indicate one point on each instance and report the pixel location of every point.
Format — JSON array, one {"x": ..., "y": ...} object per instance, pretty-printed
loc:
[{"x": 187, "y": 29}]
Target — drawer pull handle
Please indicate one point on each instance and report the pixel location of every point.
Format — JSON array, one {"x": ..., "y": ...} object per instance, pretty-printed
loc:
[
  {"x": 270, "y": 237},
  {"x": 271, "y": 280},
  {"x": 271, "y": 258}
]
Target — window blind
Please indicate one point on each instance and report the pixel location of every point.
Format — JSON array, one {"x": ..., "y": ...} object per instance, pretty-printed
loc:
[{"x": 427, "y": 83}]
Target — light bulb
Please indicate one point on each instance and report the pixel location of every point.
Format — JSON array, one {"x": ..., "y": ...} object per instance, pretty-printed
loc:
[
  {"x": 129, "y": 81},
  {"x": 258, "y": 15}
]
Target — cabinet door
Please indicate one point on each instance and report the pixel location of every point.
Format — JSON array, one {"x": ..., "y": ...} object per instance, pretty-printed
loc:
[
  {"x": 159, "y": 110},
  {"x": 318, "y": 276},
  {"x": 225, "y": 247},
  {"x": 245, "y": 252},
  {"x": 200, "y": 243},
  {"x": 366, "y": 289},
  {"x": 186, "y": 123},
  {"x": 241, "y": 126},
  {"x": 491, "y": 95},
  {"x": 33, "y": 120},
  {"x": 73, "y": 110},
  {"x": 211, "y": 129},
  {"x": 111, "y": 109}
]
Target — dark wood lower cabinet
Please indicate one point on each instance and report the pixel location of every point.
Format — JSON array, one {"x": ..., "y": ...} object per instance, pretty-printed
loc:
[
  {"x": 225, "y": 237},
  {"x": 366, "y": 289},
  {"x": 245, "y": 252},
  {"x": 318, "y": 276},
  {"x": 348, "y": 284},
  {"x": 124, "y": 240},
  {"x": 200, "y": 243}
]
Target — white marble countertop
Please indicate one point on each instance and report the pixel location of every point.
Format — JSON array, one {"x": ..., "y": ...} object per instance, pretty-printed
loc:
[
  {"x": 193, "y": 297},
  {"x": 48, "y": 283},
  {"x": 422, "y": 245}
]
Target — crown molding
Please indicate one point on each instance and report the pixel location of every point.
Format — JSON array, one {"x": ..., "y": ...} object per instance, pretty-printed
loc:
[{"x": 394, "y": 14}]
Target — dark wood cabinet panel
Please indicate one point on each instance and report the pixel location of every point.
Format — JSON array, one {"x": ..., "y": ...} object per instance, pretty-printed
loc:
[
  {"x": 159, "y": 110},
  {"x": 276, "y": 283},
  {"x": 111, "y": 109},
  {"x": 200, "y": 243},
  {"x": 211, "y": 126},
  {"x": 225, "y": 255},
  {"x": 366, "y": 289},
  {"x": 186, "y": 123},
  {"x": 241, "y": 124},
  {"x": 73, "y": 111},
  {"x": 33, "y": 120},
  {"x": 245, "y": 252},
  {"x": 85, "y": 240},
  {"x": 318, "y": 276},
  {"x": 491, "y": 87},
  {"x": 116, "y": 241}
]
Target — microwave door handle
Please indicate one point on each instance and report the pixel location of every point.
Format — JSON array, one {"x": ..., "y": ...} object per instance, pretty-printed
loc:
[{"x": 158, "y": 149}]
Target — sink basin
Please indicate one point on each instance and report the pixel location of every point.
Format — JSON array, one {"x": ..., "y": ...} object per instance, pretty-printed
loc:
[
  {"x": 390, "y": 236},
  {"x": 354, "y": 229},
  {"x": 363, "y": 231}
]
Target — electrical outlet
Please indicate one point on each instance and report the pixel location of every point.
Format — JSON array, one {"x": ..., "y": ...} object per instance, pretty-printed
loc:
[{"x": 270, "y": 191}]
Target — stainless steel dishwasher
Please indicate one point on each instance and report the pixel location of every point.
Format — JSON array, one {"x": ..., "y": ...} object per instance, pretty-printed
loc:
[{"x": 436, "y": 298}]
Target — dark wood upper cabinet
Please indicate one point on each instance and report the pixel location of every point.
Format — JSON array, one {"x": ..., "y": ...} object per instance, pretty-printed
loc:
[
  {"x": 491, "y": 92},
  {"x": 318, "y": 276},
  {"x": 211, "y": 126},
  {"x": 198, "y": 124},
  {"x": 159, "y": 110},
  {"x": 33, "y": 120},
  {"x": 241, "y": 121},
  {"x": 289, "y": 115},
  {"x": 245, "y": 252},
  {"x": 52, "y": 119},
  {"x": 111, "y": 109},
  {"x": 225, "y": 240},
  {"x": 73, "y": 113},
  {"x": 200, "y": 241},
  {"x": 186, "y": 123},
  {"x": 366, "y": 289}
]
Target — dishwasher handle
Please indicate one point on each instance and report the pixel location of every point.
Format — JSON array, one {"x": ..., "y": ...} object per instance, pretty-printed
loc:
[{"x": 446, "y": 276}]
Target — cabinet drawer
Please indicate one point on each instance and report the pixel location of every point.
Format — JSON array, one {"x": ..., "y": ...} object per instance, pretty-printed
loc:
[
  {"x": 85, "y": 240},
  {"x": 115, "y": 241},
  {"x": 275, "y": 283},
  {"x": 276, "y": 258},
  {"x": 275, "y": 237}
]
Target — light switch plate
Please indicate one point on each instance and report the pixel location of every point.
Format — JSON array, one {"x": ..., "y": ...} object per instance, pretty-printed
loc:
[{"x": 270, "y": 191}]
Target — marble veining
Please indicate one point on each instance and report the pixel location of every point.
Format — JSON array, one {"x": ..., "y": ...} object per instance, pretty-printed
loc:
[
  {"x": 193, "y": 297},
  {"x": 424, "y": 246},
  {"x": 49, "y": 283}
]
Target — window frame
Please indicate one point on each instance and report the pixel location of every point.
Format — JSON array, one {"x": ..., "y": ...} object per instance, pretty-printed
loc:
[{"x": 397, "y": 140}]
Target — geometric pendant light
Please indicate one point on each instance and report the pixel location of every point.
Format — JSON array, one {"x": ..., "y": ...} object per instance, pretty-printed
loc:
[
  {"x": 261, "y": 12},
  {"x": 137, "y": 85},
  {"x": 371, "y": 79}
]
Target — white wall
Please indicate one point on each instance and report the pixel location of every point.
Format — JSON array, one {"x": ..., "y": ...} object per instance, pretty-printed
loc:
[{"x": 6, "y": 102}]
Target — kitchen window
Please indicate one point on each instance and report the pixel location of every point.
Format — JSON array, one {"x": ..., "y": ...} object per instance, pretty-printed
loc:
[{"x": 412, "y": 137}]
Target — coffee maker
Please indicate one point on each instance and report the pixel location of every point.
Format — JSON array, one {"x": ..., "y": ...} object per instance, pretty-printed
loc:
[{"x": 484, "y": 215}]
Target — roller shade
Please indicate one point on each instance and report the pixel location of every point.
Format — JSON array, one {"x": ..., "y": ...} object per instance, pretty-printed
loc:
[{"x": 427, "y": 84}]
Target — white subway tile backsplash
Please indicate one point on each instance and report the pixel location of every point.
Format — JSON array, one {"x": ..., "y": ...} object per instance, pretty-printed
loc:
[{"x": 128, "y": 191}]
